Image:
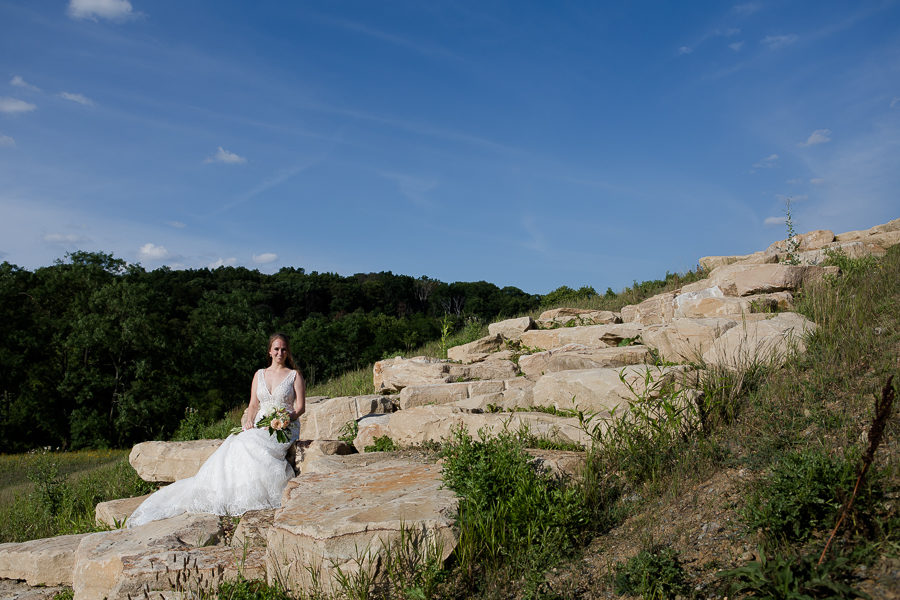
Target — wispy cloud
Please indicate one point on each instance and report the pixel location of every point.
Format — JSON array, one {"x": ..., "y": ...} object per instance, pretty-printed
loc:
[
  {"x": 819, "y": 136},
  {"x": 14, "y": 106},
  {"x": 113, "y": 10},
  {"x": 224, "y": 156},
  {"x": 685, "y": 50},
  {"x": 17, "y": 81},
  {"x": 151, "y": 251},
  {"x": 265, "y": 258},
  {"x": 794, "y": 181},
  {"x": 736, "y": 46},
  {"x": 6, "y": 141},
  {"x": 222, "y": 262},
  {"x": 766, "y": 163},
  {"x": 80, "y": 99},
  {"x": 176, "y": 224},
  {"x": 413, "y": 188},
  {"x": 771, "y": 221},
  {"x": 536, "y": 240},
  {"x": 65, "y": 238},
  {"x": 895, "y": 102},
  {"x": 747, "y": 8},
  {"x": 774, "y": 42},
  {"x": 817, "y": 181},
  {"x": 416, "y": 46}
]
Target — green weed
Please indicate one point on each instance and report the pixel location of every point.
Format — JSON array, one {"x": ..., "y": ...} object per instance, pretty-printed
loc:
[
  {"x": 654, "y": 574},
  {"x": 382, "y": 443},
  {"x": 786, "y": 576}
]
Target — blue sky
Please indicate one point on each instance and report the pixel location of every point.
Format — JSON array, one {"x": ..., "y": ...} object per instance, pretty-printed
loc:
[{"x": 532, "y": 144}]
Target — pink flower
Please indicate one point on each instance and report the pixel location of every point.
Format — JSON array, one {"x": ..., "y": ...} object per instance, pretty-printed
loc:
[{"x": 276, "y": 424}]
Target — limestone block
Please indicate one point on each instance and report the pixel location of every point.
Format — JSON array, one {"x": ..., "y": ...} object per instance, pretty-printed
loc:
[
  {"x": 370, "y": 427},
  {"x": 170, "y": 461},
  {"x": 579, "y": 356},
  {"x": 582, "y": 316},
  {"x": 116, "y": 511},
  {"x": 486, "y": 369},
  {"x": 394, "y": 374},
  {"x": 102, "y": 559},
  {"x": 595, "y": 336},
  {"x": 46, "y": 561},
  {"x": 767, "y": 340},
  {"x": 656, "y": 309},
  {"x": 711, "y": 302},
  {"x": 511, "y": 329},
  {"x": 329, "y": 520},
  {"x": 685, "y": 340},
  {"x": 512, "y": 398},
  {"x": 253, "y": 528},
  {"x": 316, "y": 449},
  {"x": 435, "y": 423},
  {"x": 857, "y": 249},
  {"x": 745, "y": 280},
  {"x": 805, "y": 241},
  {"x": 890, "y": 226},
  {"x": 335, "y": 463},
  {"x": 324, "y": 420},
  {"x": 711, "y": 262},
  {"x": 600, "y": 390},
  {"x": 443, "y": 393},
  {"x": 12, "y": 589},
  {"x": 475, "y": 351}
]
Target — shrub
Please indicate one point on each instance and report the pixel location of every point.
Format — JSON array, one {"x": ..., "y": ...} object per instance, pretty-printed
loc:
[
  {"x": 792, "y": 577},
  {"x": 654, "y": 574},
  {"x": 383, "y": 443}
]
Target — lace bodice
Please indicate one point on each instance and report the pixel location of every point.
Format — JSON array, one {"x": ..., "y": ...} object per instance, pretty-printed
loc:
[{"x": 281, "y": 397}]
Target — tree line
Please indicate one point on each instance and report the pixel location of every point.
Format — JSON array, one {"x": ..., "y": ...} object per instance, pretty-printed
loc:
[{"x": 95, "y": 352}]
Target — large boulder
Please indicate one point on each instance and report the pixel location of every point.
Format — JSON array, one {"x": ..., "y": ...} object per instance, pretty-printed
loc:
[
  {"x": 325, "y": 420},
  {"x": 109, "y": 564},
  {"x": 806, "y": 241},
  {"x": 745, "y": 280},
  {"x": 511, "y": 329},
  {"x": 46, "y": 561},
  {"x": 444, "y": 393},
  {"x": 889, "y": 227},
  {"x": 477, "y": 350},
  {"x": 370, "y": 427},
  {"x": 712, "y": 302},
  {"x": 394, "y": 374},
  {"x": 768, "y": 340},
  {"x": 595, "y": 336},
  {"x": 602, "y": 390},
  {"x": 345, "y": 519},
  {"x": 712, "y": 262},
  {"x": 314, "y": 450},
  {"x": 423, "y": 424},
  {"x": 114, "y": 512},
  {"x": 656, "y": 309},
  {"x": 490, "y": 368},
  {"x": 581, "y": 316},
  {"x": 253, "y": 529},
  {"x": 579, "y": 356},
  {"x": 170, "y": 461},
  {"x": 685, "y": 340}
]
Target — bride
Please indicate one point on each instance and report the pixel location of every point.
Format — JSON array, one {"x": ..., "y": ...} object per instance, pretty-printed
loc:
[{"x": 249, "y": 470}]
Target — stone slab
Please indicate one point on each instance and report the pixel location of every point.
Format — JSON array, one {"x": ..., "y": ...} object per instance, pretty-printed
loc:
[{"x": 170, "y": 461}]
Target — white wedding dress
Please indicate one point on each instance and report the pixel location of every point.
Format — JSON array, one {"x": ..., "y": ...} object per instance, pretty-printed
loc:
[{"x": 247, "y": 472}]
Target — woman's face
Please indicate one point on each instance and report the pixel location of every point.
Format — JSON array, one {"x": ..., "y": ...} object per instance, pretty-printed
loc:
[{"x": 278, "y": 351}]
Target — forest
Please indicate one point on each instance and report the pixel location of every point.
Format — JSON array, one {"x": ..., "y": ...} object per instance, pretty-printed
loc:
[{"x": 99, "y": 353}]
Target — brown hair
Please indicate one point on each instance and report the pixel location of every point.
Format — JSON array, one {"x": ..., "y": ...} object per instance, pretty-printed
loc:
[{"x": 289, "y": 359}]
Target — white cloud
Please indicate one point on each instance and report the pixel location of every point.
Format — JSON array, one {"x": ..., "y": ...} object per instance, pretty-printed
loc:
[
  {"x": 819, "y": 136},
  {"x": 775, "y": 220},
  {"x": 766, "y": 163},
  {"x": 222, "y": 262},
  {"x": 685, "y": 50},
  {"x": 77, "y": 98},
  {"x": 114, "y": 10},
  {"x": 794, "y": 181},
  {"x": 817, "y": 181},
  {"x": 6, "y": 141},
  {"x": 65, "y": 238},
  {"x": 152, "y": 252},
  {"x": 774, "y": 42},
  {"x": 176, "y": 224},
  {"x": 19, "y": 82},
  {"x": 748, "y": 8},
  {"x": 895, "y": 102},
  {"x": 14, "y": 105},
  {"x": 265, "y": 258},
  {"x": 224, "y": 156},
  {"x": 736, "y": 46}
]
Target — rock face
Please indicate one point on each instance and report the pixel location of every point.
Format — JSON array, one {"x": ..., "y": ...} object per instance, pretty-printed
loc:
[
  {"x": 445, "y": 393},
  {"x": 577, "y": 356},
  {"x": 170, "y": 461},
  {"x": 563, "y": 316},
  {"x": 394, "y": 374},
  {"x": 600, "y": 390},
  {"x": 475, "y": 351},
  {"x": 594, "y": 336},
  {"x": 108, "y": 564},
  {"x": 113, "y": 513},
  {"x": 325, "y": 419},
  {"x": 653, "y": 310},
  {"x": 511, "y": 329},
  {"x": 765, "y": 341},
  {"x": 685, "y": 340},
  {"x": 41, "y": 562},
  {"x": 331, "y": 520}
]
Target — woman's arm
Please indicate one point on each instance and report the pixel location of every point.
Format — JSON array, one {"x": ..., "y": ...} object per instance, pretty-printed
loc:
[
  {"x": 249, "y": 416},
  {"x": 299, "y": 397}
]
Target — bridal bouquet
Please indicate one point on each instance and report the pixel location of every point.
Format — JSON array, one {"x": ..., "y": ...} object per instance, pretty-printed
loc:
[{"x": 276, "y": 422}]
